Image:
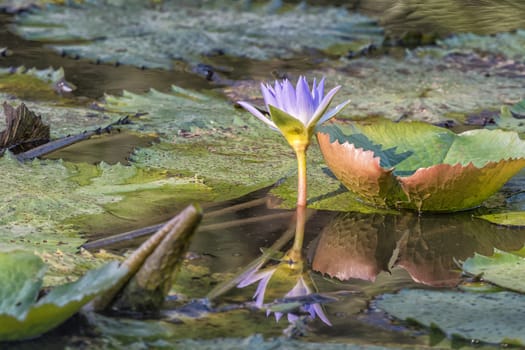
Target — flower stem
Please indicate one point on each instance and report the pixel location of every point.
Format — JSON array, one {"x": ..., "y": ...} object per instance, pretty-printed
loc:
[
  {"x": 300, "y": 152},
  {"x": 296, "y": 251}
]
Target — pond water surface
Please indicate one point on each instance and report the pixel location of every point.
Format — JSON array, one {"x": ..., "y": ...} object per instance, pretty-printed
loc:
[{"x": 367, "y": 254}]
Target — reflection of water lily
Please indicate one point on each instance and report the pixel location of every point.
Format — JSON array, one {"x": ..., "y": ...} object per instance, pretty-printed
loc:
[
  {"x": 284, "y": 273},
  {"x": 296, "y": 112}
]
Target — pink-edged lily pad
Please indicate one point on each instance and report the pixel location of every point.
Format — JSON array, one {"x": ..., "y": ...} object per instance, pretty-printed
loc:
[{"x": 421, "y": 166}]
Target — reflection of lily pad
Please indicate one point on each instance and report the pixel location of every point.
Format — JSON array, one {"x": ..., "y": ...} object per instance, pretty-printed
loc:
[
  {"x": 23, "y": 315},
  {"x": 502, "y": 268},
  {"x": 186, "y": 31},
  {"x": 491, "y": 318},
  {"x": 420, "y": 166}
]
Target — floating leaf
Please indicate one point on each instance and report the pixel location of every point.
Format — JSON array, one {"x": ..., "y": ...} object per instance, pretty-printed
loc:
[
  {"x": 492, "y": 318},
  {"x": 12, "y": 6},
  {"x": 444, "y": 171},
  {"x": 509, "y": 218},
  {"x": 508, "y": 44},
  {"x": 430, "y": 89},
  {"x": 512, "y": 118},
  {"x": 34, "y": 218},
  {"x": 35, "y": 84},
  {"x": 188, "y": 31},
  {"x": 206, "y": 138},
  {"x": 22, "y": 315},
  {"x": 40, "y": 91},
  {"x": 502, "y": 269}
]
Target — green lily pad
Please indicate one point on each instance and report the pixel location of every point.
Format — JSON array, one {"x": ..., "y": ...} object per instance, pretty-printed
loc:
[
  {"x": 190, "y": 30},
  {"x": 34, "y": 218},
  {"x": 492, "y": 318},
  {"x": 436, "y": 90},
  {"x": 508, "y": 218},
  {"x": 508, "y": 44},
  {"x": 13, "y": 6},
  {"x": 206, "y": 138},
  {"x": 502, "y": 269},
  {"x": 33, "y": 84},
  {"x": 429, "y": 168},
  {"x": 23, "y": 315},
  {"x": 40, "y": 91},
  {"x": 512, "y": 117}
]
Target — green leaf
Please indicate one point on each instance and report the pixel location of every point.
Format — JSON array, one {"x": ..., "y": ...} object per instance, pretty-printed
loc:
[
  {"x": 22, "y": 316},
  {"x": 502, "y": 269},
  {"x": 48, "y": 222},
  {"x": 437, "y": 170},
  {"x": 446, "y": 89},
  {"x": 505, "y": 43},
  {"x": 511, "y": 118},
  {"x": 207, "y": 139},
  {"x": 41, "y": 91},
  {"x": 508, "y": 218},
  {"x": 492, "y": 318},
  {"x": 194, "y": 30},
  {"x": 20, "y": 281}
]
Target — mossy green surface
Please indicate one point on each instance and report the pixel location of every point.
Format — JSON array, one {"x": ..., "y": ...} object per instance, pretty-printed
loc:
[
  {"x": 43, "y": 203},
  {"x": 492, "y": 318},
  {"x": 429, "y": 89},
  {"x": 194, "y": 30},
  {"x": 205, "y": 137}
]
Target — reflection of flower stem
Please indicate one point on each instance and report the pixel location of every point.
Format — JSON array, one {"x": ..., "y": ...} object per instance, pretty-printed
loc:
[{"x": 295, "y": 254}]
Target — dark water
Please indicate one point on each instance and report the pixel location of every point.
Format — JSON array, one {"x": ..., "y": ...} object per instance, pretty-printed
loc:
[{"x": 366, "y": 253}]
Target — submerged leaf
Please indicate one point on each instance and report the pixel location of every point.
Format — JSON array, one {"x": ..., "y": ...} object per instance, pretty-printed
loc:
[
  {"x": 22, "y": 316},
  {"x": 441, "y": 171},
  {"x": 492, "y": 318}
]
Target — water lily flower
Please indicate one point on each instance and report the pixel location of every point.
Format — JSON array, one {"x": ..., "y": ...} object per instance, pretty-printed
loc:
[{"x": 296, "y": 112}]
